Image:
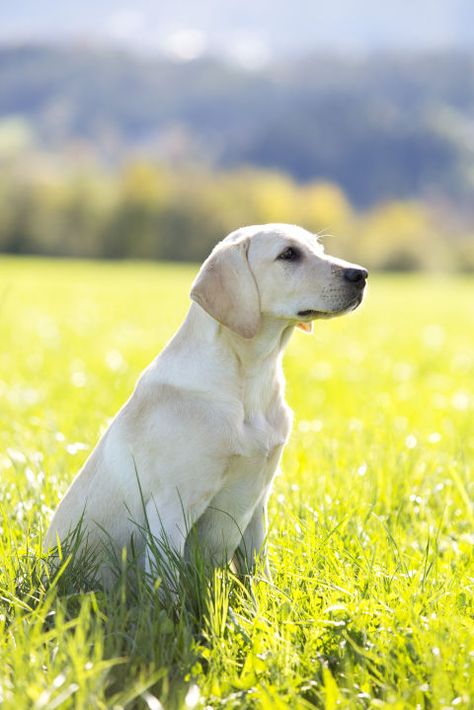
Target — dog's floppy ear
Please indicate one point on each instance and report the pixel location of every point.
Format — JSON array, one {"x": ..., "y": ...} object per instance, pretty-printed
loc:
[{"x": 225, "y": 287}]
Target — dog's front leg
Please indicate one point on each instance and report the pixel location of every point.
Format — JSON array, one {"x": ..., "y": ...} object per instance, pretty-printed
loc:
[
  {"x": 252, "y": 549},
  {"x": 166, "y": 531}
]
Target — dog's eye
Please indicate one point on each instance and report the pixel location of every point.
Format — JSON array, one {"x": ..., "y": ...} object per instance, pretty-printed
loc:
[{"x": 290, "y": 254}]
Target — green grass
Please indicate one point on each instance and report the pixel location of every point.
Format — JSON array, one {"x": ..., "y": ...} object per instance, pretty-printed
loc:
[{"x": 371, "y": 524}]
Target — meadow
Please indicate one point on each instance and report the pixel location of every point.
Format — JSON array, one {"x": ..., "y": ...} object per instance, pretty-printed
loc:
[{"x": 371, "y": 521}]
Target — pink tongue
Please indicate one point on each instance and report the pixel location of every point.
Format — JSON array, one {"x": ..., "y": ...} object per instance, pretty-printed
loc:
[{"x": 307, "y": 327}]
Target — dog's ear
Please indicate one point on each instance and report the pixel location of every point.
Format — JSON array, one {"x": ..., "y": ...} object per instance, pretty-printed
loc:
[
  {"x": 307, "y": 327},
  {"x": 225, "y": 287}
]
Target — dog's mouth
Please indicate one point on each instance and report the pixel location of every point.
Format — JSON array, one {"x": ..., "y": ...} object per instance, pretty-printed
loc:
[{"x": 311, "y": 314}]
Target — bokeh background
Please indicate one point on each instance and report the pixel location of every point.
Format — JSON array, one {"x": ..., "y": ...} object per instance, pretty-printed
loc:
[{"x": 150, "y": 130}]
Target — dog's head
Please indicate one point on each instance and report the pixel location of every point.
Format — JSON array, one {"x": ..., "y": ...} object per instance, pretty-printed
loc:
[{"x": 278, "y": 271}]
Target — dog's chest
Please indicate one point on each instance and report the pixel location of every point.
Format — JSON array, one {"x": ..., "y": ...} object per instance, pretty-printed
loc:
[{"x": 259, "y": 444}]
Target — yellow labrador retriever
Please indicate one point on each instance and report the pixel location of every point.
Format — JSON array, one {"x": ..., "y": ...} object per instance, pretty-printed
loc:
[{"x": 199, "y": 441}]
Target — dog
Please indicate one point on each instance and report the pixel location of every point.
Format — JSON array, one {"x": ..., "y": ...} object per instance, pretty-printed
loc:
[{"x": 197, "y": 445}]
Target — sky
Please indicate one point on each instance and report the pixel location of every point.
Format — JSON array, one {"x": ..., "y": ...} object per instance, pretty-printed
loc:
[{"x": 250, "y": 31}]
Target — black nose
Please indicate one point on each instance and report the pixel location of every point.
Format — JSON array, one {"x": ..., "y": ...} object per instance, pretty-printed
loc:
[{"x": 355, "y": 275}]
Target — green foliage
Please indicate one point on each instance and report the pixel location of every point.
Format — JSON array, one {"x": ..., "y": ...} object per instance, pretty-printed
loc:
[
  {"x": 371, "y": 522},
  {"x": 148, "y": 211},
  {"x": 382, "y": 126}
]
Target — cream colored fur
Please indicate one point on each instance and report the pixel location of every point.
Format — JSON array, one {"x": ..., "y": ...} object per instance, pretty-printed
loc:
[{"x": 206, "y": 425}]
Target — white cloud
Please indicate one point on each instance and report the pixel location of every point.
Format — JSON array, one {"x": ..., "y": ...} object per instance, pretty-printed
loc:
[{"x": 186, "y": 44}]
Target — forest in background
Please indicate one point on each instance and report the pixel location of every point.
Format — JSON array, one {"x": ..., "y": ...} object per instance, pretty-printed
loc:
[
  {"x": 147, "y": 211},
  {"x": 106, "y": 154}
]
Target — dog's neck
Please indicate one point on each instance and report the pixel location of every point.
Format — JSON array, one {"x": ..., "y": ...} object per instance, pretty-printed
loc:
[
  {"x": 225, "y": 363},
  {"x": 259, "y": 364},
  {"x": 264, "y": 349},
  {"x": 251, "y": 354}
]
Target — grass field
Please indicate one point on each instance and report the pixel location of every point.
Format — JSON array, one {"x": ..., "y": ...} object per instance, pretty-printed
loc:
[{"x": 371, "y": 524}]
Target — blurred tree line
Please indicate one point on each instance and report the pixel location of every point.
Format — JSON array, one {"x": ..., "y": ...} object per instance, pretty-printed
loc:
[
  {"x": 149, "y": 211},
  {"x": 376, "y": 150},
  {"x": 382, "y": 126}
]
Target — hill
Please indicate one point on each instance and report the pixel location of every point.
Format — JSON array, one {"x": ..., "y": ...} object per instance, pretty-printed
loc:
[{"x": 381, "y": 126}]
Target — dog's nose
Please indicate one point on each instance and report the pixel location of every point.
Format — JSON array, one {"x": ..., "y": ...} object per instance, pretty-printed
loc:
[{"x": 355, "y": 275}]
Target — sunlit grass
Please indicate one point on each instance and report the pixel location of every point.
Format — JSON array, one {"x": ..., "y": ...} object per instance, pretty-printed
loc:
[{"x": 371, "y": 523}]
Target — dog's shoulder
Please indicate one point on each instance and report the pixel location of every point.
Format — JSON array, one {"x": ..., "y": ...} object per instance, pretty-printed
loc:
[{"x": 164, "y": 412}]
